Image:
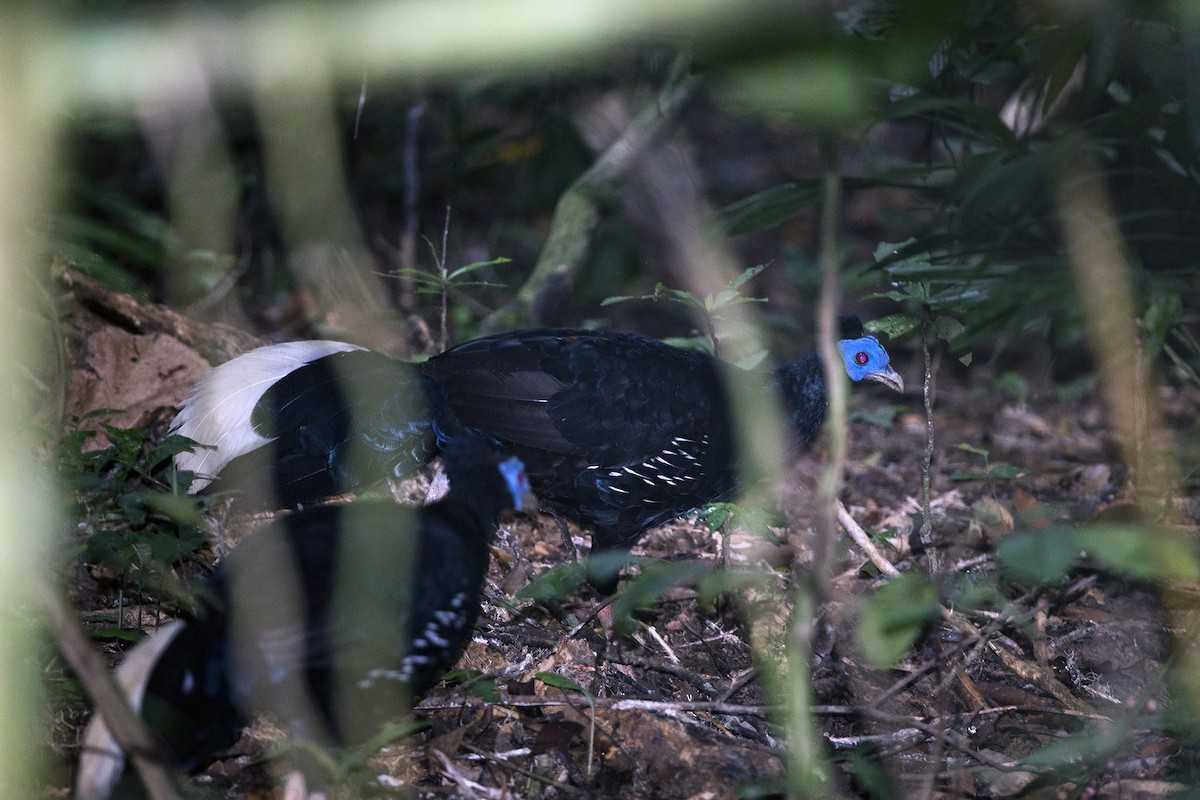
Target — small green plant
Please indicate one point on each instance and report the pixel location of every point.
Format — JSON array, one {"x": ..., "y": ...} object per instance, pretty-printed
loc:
[
  {"x": 134, "y": 505},
  {"x": 443, "y": 281},
  {"x": 710, "y": 307},
  {"x": 936, "y": 290},
  {"x": 1165, "y": 333},
  {"x": 990, "y": 472},
  {"x": 1014, "y": 385},
  {"x": 474, "y": 683}
]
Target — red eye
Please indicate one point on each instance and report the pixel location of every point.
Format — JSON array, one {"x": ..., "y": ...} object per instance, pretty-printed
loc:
[{"x": 861, "y": 358}]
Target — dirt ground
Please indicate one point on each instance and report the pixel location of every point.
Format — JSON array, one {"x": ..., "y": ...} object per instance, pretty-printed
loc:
[{"x": 678, "y": 708}]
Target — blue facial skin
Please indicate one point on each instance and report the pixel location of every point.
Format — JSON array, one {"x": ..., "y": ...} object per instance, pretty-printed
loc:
[{"x": 863, "y": 357}]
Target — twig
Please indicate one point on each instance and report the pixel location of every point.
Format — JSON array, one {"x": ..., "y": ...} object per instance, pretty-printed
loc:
[
  {"x": 362, "y": 103},
  {"x": 444, "y": 284},
  {"x": 621, "y": 704},
  {"x": 835, "y": 377},
  {"x": 737, "y": 684},
  {"x": 504, "y": 763},
  {"x": 864, "y": 542},
  {"x": 807, "y": 769},
  {"x": 928, "y": 394},
  {"x": 701, "y": 682},
  {"x": 591, "y": 615},
  {"x": 954, "y": 739},
  {"x": 467, "y": 786},
  {"x": 1041, "y": 676},
  {"x": 654, "y": 634}
]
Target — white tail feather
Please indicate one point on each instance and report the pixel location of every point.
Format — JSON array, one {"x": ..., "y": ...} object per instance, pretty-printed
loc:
[
  {"x": 101, "y": 759},
  {"x": 217, "y": 413}
]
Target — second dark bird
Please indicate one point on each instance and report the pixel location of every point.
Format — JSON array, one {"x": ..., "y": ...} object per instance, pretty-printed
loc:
[{"x": 332, "y": 620}]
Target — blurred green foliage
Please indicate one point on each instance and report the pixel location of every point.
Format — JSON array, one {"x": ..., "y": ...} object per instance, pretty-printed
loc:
[
  {"x": 1006, "y": 91},
  {"x": 133, "y": 503}
]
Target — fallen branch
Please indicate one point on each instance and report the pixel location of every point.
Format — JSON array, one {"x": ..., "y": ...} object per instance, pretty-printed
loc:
[
  {"x": 217, "y": 343},
  {"x": 864, "y": 542}
]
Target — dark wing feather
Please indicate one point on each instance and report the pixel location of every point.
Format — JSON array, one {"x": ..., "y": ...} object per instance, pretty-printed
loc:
[
  {"x": 610, "y": 397},
  {"x": 512, "y": 405}
]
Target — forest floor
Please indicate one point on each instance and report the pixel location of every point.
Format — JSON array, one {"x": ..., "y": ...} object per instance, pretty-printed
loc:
[{"x": 678, "y": 709}]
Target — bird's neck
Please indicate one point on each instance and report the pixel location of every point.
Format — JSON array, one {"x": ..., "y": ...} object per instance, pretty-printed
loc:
[
  {"x": 471, "y": 521},
  {"x": 478, "y": 493},
  {"x": 802, "y": 389}
]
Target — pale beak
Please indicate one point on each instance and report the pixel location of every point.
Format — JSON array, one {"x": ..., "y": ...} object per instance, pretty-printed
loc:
[{"x": 888, "y": 377}]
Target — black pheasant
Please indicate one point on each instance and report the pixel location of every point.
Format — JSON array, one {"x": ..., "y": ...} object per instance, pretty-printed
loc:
[{"x": 332, "y": 620}]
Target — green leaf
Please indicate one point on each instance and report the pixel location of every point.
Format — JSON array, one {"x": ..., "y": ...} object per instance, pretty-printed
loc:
[
  {"x": 476, "y": 684},
  {"x": 554, "y": 584},
  {"x": 128, "y": 442},
  {"x": 622, "y": 298},
  {"x": 554, "y": 680},
  {"x": 680, "y": 296},
  {"x": 968, "y": 117},
  {"x": 1088, "y": 746},
  {"x": 1143, "y": 553},
  {"x": 894, "y": 618},
  {"x": 749, "y": 362},
  {"x": 747, "y": 274},
  {"x": 119, "y": 634},
  {"x": 1038, "y": 556},
  {"x": 478, "y": 265},
  {"x": 170, "y": 447},
  {"x": 182, "y": 509},
  {"x": 701, "y": 343},
  {"x": 754, "y": 519},
  {"x": 770, "y": 207},
  {"x": 133, "y": 508},
  {"x": 717, "y": 515},
  {"x": 822, "y": 86},
  {"x": 881, "y": 417},
  {"x": 1161, "y": 314},
  {"x": 894, "y": 326},
  {"x": 485, "y": 690},
  {"x": 644, "y": 590},
  {"x": 1140, "y": 553},
  {"x": 720, "y": 582}
]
